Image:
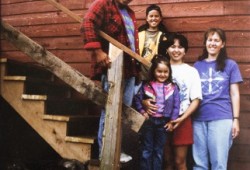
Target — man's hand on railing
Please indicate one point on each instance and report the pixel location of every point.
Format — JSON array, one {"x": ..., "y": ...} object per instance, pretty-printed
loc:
[{"x": 102, "y": 58}]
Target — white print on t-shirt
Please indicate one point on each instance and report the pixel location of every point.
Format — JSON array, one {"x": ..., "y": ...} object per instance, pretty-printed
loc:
[{"x": 211, "y": 82}]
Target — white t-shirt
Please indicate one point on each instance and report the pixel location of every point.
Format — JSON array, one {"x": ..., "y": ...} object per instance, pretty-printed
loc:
[{"x": 188, "y": 80}]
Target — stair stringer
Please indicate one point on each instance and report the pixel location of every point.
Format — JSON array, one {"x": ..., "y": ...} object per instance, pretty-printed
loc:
[{"x": 53, "y": 132}]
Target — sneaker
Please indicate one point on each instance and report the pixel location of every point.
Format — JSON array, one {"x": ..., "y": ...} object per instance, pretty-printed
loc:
[{"x": 125, "y": 158}]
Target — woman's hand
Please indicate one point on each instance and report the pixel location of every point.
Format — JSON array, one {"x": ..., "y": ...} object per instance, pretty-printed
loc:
[
  {"x": 235, "y": 128},
  {"x": 177, "y": 122},
  {"x": 149, "y": 107},
  {"x": 169, "y": 127}
]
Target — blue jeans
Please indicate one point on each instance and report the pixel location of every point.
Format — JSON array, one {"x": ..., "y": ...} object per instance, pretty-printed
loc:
[
  {"x": 128, "y": 95},
  {"x": 212, "y": 141},
  {"x": 154, "y": 137}
]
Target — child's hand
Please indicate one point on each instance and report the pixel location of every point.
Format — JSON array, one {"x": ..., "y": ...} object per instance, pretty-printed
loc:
[{"x": 169, "y": 127}]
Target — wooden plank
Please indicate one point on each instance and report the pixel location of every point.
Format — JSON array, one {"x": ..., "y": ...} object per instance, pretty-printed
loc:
[
  {"x": 37, "y": 7},
  {"x": 110, "y": 156},
  {"x": 13, "y": 1},
  {"x": 53, "y": 43},
  {"x": 72, "y": 30},
  {"x": 41, "y": 18},
  {"x": 245, "y": 103},
  {"x": 245, "y": 87},
  {"x": 149, "y": 2},
  {"x": 244, "y": 137},
  {"x": 89, "y": 140},
  {"x": 245, "y": 70},
  {"x": 233, "y": 165},
  {"x": 64, "y": 29},
  {"x": 244, "y": 120},
  {"x": 75, "y": 42},
  {"x": 79, "y": 56},
  {"x": 196, "y": 9},
  {"x": 228, "y": 23},
  {"x": 236, "y": 7},
  {"x": 171, "y": 8},
  {"x": 240, "y": 153}
]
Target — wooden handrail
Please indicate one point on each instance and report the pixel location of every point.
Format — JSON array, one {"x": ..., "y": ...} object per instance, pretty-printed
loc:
[{"x": 103, "y": 34}]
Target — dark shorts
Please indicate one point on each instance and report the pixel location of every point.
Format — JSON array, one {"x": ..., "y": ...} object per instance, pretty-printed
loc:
[{"x": 183, "y": 135}]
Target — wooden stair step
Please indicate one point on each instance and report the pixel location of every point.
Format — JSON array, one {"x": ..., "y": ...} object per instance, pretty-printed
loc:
[
  {"x": 63, "y": 118},
  {"x": 15, "y": 78},
  {"x": 34, "y": 97},
  {"x": 80, "y": 139},
  {"x": 3, "y": 60}
]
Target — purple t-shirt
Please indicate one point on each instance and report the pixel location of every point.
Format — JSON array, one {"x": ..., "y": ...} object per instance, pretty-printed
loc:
[{"x": 216, "y": 103}]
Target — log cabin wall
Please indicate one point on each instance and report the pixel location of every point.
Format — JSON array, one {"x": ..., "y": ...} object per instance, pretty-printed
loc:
[{"x": 60, "y": 34}]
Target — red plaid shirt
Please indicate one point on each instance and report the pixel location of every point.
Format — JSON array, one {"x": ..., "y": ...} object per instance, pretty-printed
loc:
[{"x": 104, "y": 15}]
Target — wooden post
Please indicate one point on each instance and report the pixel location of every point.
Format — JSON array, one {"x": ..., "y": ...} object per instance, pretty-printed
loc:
[{"x": 110, "y": 159}]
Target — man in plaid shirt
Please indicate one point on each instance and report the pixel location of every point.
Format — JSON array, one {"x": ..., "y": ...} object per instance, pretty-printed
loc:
[{"x": 116, "y": 19}]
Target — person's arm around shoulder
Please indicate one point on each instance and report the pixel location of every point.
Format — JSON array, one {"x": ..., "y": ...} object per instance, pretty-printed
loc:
[{"x": 235, "y": 98}]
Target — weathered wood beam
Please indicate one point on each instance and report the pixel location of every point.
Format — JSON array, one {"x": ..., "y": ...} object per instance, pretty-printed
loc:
[
  {"x": 110, "y": 159},
  {"x": 66, "y": 73}
]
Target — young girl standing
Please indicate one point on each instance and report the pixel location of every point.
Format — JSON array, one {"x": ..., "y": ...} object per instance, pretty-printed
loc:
[
  {"x": 150, "y": 35},
  {"x": 165, "y": 94}
]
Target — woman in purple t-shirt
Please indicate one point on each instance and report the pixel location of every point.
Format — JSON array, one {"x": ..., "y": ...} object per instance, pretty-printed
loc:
[{"x": 216, "y": 121}]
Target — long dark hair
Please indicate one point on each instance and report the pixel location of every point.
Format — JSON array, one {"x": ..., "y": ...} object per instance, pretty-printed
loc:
[
  {"x": 145, "y": 26},
  {"x": 221, "y": 59},
  {"x": 157, "y": 60}
]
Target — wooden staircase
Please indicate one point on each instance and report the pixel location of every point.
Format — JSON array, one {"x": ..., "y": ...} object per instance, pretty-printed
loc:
[{"x": 58, "y": 113}]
